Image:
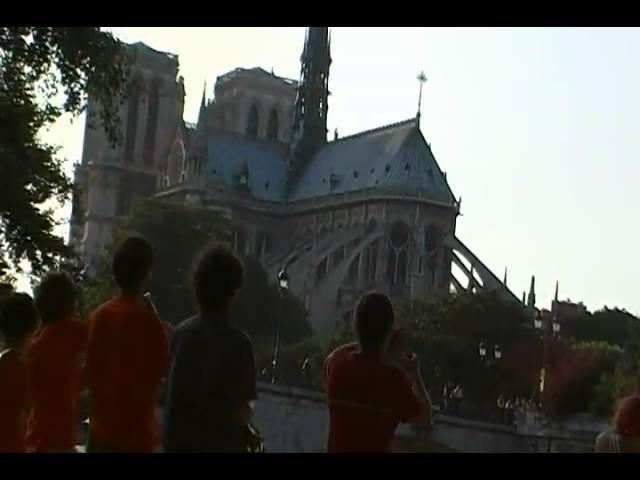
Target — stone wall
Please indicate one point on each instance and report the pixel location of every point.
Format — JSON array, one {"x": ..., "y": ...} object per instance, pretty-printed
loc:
[{"x": 296, "y": 421}]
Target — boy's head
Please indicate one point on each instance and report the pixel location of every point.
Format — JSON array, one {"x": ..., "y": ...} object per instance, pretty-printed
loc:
[
  {"x": 56, "y": 297},
  {"x": 132, "y": 265},
  {"x": 18, "y": 318},
  {"x": 374, "y": 320},
  {"x": 217, "y": 278}
]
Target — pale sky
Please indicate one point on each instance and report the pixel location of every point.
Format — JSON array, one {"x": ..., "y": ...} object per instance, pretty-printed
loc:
[{"x": 535, "y": 127}]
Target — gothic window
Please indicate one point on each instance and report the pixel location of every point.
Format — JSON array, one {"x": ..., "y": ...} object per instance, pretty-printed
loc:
[
  {"x": 321, "y": 271},
  {"x": 253, "y": 121},
  {"x": 370, "y": 263},
  {"x": 272, "y": 126},
  {"x": 432, "y": 242},
  {"x": 240, "y": 242},
  {"x": 398, "y": 254},
  {"x": 352, "y": 273},
  {"x": 133, "y": 106},
  {"x": 262, "y": 245},
  {"x": 152, "y": 123},
  {"x": 123, "y": 202}
]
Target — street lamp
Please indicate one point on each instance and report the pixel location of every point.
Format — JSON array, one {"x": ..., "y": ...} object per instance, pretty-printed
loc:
[
  {"x": 283, "y": 280},
  {"x": 497, "y": 353},
  {"x": 283, "y": 284},
  {"x": 537, "y": 321}
]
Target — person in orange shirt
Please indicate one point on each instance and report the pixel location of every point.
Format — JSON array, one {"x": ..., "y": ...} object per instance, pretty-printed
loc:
[
  {"x": 54, "y": 359},
  {"x": 18, "y": 321},
  {"x": 126, "y": 359}
]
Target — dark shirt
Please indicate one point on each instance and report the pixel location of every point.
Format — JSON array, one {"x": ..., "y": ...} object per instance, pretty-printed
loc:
[{"x": 211, "y": 371}]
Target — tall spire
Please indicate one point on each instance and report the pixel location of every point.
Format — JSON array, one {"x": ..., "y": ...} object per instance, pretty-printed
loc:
[
  {"x": 556, "y": 295},
  {"x": 505, "y": 277},
  {"x": 203, "y": 104},
  {"x": 310, "y": 123},
  {"x": 422, "y": 78},
  {"x": 531, "y": 299}
]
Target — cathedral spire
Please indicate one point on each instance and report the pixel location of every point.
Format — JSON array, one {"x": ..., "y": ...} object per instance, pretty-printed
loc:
[
  {"x": 422, "y": 78},
  {"x": 556, "y": 295},
  {"x": 531, "y": 299},
  {"x": 203, "y": 104},
  {"x": 505, "y": 277},
  {"x": 310, "y": 123}
]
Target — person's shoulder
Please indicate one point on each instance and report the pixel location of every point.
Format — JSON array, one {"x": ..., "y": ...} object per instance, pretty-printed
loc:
[
  {"x": 604, "y": 441},
  {"x": 238, "y": 336},
  {"x": 342, "y": 354}
]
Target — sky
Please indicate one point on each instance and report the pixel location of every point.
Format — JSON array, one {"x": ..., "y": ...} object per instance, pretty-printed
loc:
[{"x": 537, "y": 129}]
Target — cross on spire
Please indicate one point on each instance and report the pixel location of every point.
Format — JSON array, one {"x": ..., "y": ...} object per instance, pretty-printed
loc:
[{"x": 422, "y": 79}]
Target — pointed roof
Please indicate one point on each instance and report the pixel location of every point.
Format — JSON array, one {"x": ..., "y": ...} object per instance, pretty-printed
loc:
[
  {"x": 203, "y": 104},
  {"x": 394, "y": 157}
]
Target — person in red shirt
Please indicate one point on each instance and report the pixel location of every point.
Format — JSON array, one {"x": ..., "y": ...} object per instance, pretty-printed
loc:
[
  {"x": 55, "y": 358},
  {"x": 371, "y": 388},
  {"x": 127, "y": 358},
  {"x": 18, "y": 321}
]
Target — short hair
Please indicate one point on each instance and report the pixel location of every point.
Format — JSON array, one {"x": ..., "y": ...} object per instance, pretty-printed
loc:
[
  {"x": 19, "y": 317},
  {"x": 132, "y": 263},
  {"x": 217, "y": 276},
  {"x": 374, "y": 320},
  {"x": 627, "y": 417},
  {"x": 55, "y": 297}
]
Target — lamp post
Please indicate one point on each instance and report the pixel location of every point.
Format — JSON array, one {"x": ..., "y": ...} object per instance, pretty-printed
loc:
[
  {"x": 542, "y": 325},
  {"x": 283, "y": 286}
]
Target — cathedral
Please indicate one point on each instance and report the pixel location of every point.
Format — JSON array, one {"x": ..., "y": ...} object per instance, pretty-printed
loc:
[{"x": 367, "y": 211}]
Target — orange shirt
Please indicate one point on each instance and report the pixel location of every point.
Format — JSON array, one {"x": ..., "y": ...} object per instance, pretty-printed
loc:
[
  {"x": 14, "y": 403},
  {"x": 126, "y": 360},
  {"x": 54, "y": 361}
]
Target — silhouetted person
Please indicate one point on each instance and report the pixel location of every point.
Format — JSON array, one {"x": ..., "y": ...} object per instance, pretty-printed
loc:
[
  {"x": 127, "y": 358},
  {"x": 212, "y": 380},
  {"x": 55, "y": 358},
  {"x": 625, "y": 434},
  {"x": 368, "y": 394},
  {"x": 18, "y": 321}
]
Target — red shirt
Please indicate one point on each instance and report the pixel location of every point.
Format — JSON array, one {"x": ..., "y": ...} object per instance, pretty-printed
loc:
[
  {"x": 14, "y": 403},
  {"x": 367, "y": 401},
  {"x": 54, "y": 359},
  {"x": 127, "y": 357}
]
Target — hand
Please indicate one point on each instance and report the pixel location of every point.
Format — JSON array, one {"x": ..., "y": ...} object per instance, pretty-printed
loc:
[{"x": 411, "y": 364}]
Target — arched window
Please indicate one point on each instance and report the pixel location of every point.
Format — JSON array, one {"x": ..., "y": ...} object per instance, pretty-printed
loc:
[
  {"x": 133, "y": 105},
  {"x": 432, "y": 243},
  {"x": 370, "y": 263},
  {"x": 352, "y": 273},
  {"x": 272, "y": 126},
  {"x": 253, "y": 119},
  {"x": 398, "y": 254},
  {"x": 152, "y": 123}
]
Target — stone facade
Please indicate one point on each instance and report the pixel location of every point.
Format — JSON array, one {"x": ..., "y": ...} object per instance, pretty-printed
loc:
[{"x": 369, "y": 211}]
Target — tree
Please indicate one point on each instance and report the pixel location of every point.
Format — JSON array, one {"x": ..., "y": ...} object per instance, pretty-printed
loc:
[
  {"x": 614, "y": 326},
  {"x": 178, "y": 233},
  {"x": 45, "y": 72}
]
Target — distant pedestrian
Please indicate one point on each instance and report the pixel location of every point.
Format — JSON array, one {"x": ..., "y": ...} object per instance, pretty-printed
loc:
[
  {"x": 624, "y": 436},
  {"x": 18, "y": 321}
]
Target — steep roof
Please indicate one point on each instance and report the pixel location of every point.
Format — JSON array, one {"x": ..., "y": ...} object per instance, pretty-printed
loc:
[
  {"x": 256, "y": 71},
  {"x": 229, "y": 156},
  {"x": 393, "y": 157}
]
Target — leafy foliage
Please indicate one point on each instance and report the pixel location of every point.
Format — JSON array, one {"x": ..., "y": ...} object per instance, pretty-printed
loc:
[
  {"x": 45, "y": 72},
  {"x": 178, "y": 233}
]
